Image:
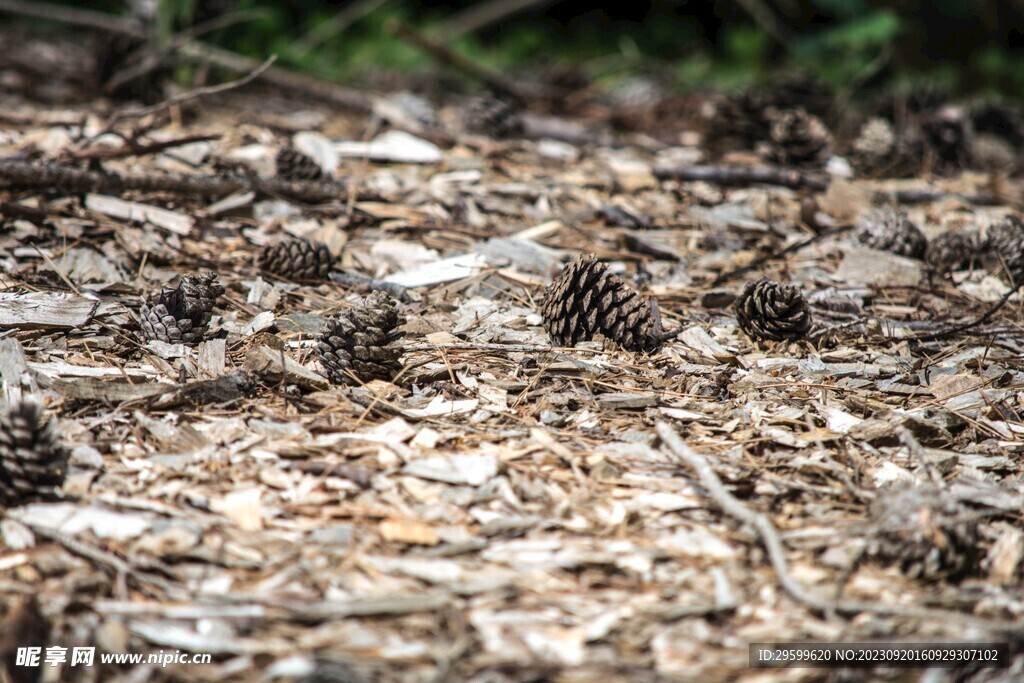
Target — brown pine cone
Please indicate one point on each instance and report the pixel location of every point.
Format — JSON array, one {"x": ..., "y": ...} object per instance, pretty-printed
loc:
[
  {"x": 930, "y": 534},
  {"x": 493, "y": 117},
  {"x": 771, "y": 311},
  {"x": 1004, "y": 248},
  {"x": 181, "y": 315},
  {"x": 297, "y": 259},
  {"x": 798, "y": 138},
  {"x": 585, "y": 299},
  {"x": 804, "y": 91},
  {"x": 359, "y": 344},
  {"x": 948, "y": 135},
  {"x": 737, "y": 120},
  {"x": 294, "y": 165},
  {"x": 33, "y": 462},
  {"x": 879, "y": 150},
  {"x": 890, "y": 229},
  {"x": 951, "y": 251}
]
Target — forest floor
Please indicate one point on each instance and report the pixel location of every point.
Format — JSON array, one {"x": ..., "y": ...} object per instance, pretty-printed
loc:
[{"x": 503, "y": 510}]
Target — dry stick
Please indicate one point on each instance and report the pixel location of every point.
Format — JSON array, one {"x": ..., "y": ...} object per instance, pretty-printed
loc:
[
  {"x": 769, "y": 537},
  {"x": 482, "y": 14},
  {"x": 184, "y": 97},
  {"x": 72, "y": 180},
  {"x": 109, "y": 560},
  {"x": 761, "y": 260},
  {"x": 744, "y": 175},
  {"x": 195, "y": 50},
  {"x": 446, "y": 55},
  {"x": 350, "y": 279},
  {"x": 132, "y": 148},
  {"x": 963, "y": 327}
]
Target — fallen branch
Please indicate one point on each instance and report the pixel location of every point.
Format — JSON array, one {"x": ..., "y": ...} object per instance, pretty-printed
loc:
[
  {"x": 139, "y": 112},
  {"x": 449, "y": 57},
  {"x": 964, "y": 327},
  {"x": 355, "y": 280},
  {"x": 132, "y": 148},
  {"x": 744, "y": 175},
  {"x": 22, "y": 174},
  {"x": 761, "y": 260},
  {"x": 197, "y": 51},
  {"x": 769, "y": 537}
]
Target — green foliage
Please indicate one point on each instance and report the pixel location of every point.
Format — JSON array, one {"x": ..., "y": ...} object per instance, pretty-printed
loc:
[{"x": 694, "y": 42}]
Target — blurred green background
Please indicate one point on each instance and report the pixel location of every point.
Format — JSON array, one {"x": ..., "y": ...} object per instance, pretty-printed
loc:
[{"x": 969, "y": 46}]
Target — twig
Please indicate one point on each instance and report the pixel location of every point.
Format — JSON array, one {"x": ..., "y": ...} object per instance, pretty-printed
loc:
[
  {"x": 69, "y": 15},
  {"x": 914, "y": 196},
  {"x": 132, "y": 148},
  {"x": 446, "y": 55},
  {"x": 325, "y": 30},
  {"x": 481, "y": 14},
  {"x": 744, "y": 175},
  {"x": 195, "y": 50},
  {"x": 765, "y": 17},
  {"x": 350, "y": 279},
  {"x": 761, "y": 260},
  {"x": 70, "y": 180},
  {"x": 769, "y": 537},
  {"x": 184, "y": 97},
  {"x": 108, "y": 560},
  {"x": 964, "y": 327}
]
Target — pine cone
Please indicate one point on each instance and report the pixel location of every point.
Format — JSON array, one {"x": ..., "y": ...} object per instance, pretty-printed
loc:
[
  {"x": 880, "y": 151},
  {"x": 182, "y": 314},
  {"x": 889, "y": 229},
  {"x": 951, "y": 251},
  {"x": 1002, "y": 119},
  {"x": 297, "y": 259},
  {"x": 801, "y": 90},
  {"x": 1004, "y": 248},
  {"x": 294, "y": 165},
  {"x": 947, "y": 132},
  {"x": 357, "y": 345},
  {"x": 737, "y": 120},
  {"x": 492, "y": 116},
  {"x": 771, "y": 311},
  {"x": 33, "y": 462},
  {"x": 585, "y": 299},
  {"x": 926, "y": 531},
  {"x": 798, "y": 137}
]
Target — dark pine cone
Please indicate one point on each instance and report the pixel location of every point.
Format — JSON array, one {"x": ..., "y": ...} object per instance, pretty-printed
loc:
[
  {"x": 1004, "y": 248},
  {"x": 357, "y": 345},
  {"x": 926, "y": 531},
  {"x": 881, "y": 151},
  {"x": 802, "y": 90},
  {"x": 492, "y": 116},
  {"x": 798, "y": 137},
  {"x": 951, "y": 251},
  {"x": 182, "y": 314},
  {"x": 947, "y": 133},
  {"x": 586, "y": 299},
  {"x": 771, "y": 311},
  {"x": 890, "y": 229},
  {"x": 737, "y": 120},
  {"x": 297, "y": 259},
  {"x": 294, "y": 165},
  {"x": 33, "y": 462}
]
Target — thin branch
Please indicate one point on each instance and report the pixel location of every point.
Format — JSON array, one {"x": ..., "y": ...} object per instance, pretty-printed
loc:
[
  {"x": 71, "y": 180},
  {"x": 444, "y": 54},
  {"x": 964, "y": 327},
  {"x": 772, "y": 543},
  {"x": 481, "y": 14},
  {"x": 184, "y": 97},
  {"x": 744, "y": 175},
  {"x": 761, "y": 260}
]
